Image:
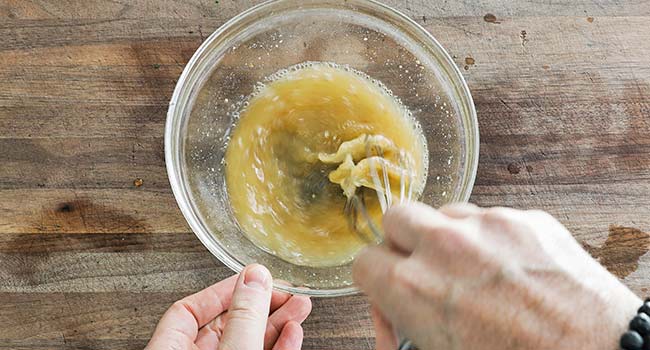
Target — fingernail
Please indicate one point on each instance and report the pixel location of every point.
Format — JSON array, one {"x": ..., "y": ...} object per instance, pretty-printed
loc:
[{"x": 257, "y": 277}]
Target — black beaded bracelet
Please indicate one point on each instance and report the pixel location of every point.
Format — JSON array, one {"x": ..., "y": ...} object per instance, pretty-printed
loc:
[{"x": 638, "y": 336}]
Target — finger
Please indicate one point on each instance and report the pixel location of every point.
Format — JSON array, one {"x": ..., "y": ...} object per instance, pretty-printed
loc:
[
  {"x": 372, "y": 270},
  {"x": 290, "y": 338},
  {"x": 209, "y": 335},
  {"x": 404, "y": 225},
  {"x": 460, "y": 210},
  {"x": 186, "y": 316},
  {"x": 248, "y": 310},
  {"x": 278, "y": 298},
  {"x": 296, "y": 309},
  {"x": 386, "y": 339}
]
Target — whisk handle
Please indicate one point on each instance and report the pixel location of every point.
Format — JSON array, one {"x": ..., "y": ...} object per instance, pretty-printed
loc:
[{"x": 405, "y": 344}]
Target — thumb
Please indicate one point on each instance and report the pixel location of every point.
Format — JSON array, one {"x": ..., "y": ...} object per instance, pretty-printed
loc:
[{"x": 249, "y": 310}]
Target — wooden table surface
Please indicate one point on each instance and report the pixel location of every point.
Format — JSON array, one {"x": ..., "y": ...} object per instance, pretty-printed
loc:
[{"x": 89, "y": 260}]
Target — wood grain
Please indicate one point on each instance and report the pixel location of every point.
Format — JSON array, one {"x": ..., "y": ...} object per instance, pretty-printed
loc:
[
  {"x": 87, "y": 211},
  {"x": 42, "y": 9},
  {"x": 89, "y": 260},
  {"x": 97, "y": 321}
]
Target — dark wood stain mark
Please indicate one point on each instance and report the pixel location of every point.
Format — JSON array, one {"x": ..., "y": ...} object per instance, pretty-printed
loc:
[
  {"x": 590, "y": 19},
  {"x": 524, "y": 37},
  {"x": 622, "y": 250},
  {"x": 490, "y": 18},
  {"x": 65, "y": 208},
  {"x": 514, "y": 168},
  {"x": 469, "y": 61},
  {"x": 546, "y": 66},
  {"x": 81, "y": 215},
  {"x": 36, "y": 244}
]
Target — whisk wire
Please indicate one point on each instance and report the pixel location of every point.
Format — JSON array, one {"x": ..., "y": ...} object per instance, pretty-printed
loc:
[
  {"x": 355, "y": 207},
  {"x": 386, "y": 189},
  {"x": 381, "y": 195},
  {"x": 385, "y": 198}
]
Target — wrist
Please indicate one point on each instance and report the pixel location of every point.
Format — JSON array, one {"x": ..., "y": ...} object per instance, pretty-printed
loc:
[
  {"x": 624, "y": 308},
  {"x": 621, "y": 305},
  {"x": 610, "y": 319}
]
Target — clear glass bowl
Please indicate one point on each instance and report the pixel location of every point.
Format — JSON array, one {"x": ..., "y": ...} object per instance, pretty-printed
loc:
[{"x": 363, "y": 34}]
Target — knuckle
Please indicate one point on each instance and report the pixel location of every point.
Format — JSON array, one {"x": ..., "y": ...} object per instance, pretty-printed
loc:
[
  {"x": 406, "y": 215},
  {"x": 272, "y": 330},
  {"x": 429, "y": 240},
  {"x": 401, "y": 274},
  {"x": 498, "y": 214},
  {"x": 396, "y": 217},
  {"x": 423, "y": 231},
  {"x": 215, "y": 326},
  {"x": 456, "y": 243},
  {"x": 177, "y": 305},
  {"x": 503, "y": 220},
  {"x": 245, "y": 313},
  {"x": 448, "y": 240},
  {"x": 505, "y": 223},
  {"x": 408, "y": 276},
  {"x": 218, "y": 325},
  {"x": 180, "y": 306},
  {"x": 395, "y": 212},
  {"x": 459, "y": 206}
]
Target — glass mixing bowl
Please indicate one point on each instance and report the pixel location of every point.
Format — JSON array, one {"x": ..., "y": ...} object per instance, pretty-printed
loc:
[{"x": 363, "y": 34}]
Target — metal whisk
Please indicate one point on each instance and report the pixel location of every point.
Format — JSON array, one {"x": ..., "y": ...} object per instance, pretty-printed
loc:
[
  {"x": 355, "y": 207},
  {"x": 356, "y": 204}
]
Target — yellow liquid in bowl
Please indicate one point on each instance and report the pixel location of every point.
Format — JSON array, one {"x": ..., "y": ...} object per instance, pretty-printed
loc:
[{"x": 291, "y": 156}]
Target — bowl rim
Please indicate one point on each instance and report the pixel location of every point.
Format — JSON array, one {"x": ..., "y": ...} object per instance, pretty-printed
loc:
[{"x": 181, "y": 194}]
